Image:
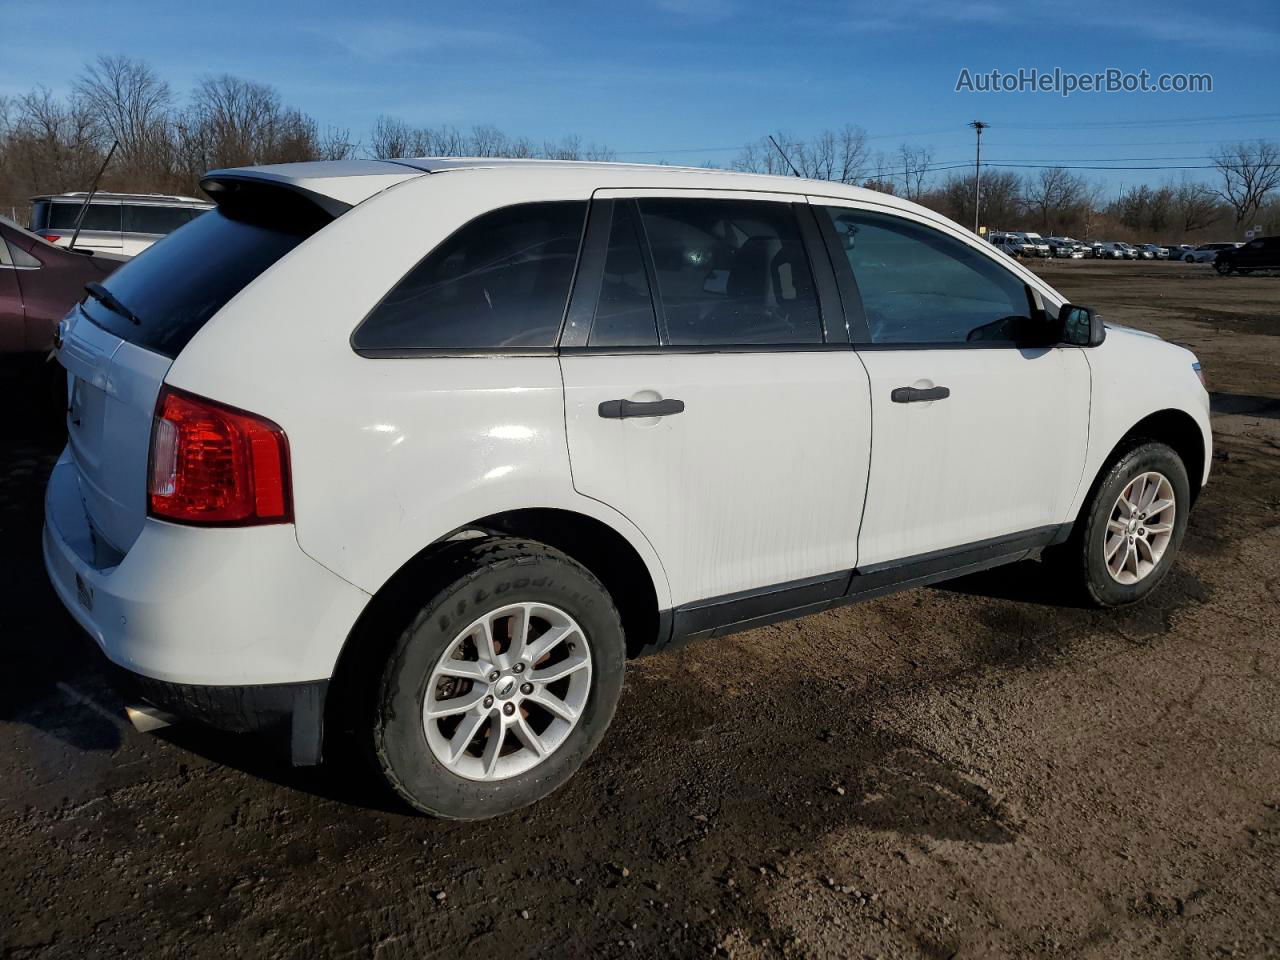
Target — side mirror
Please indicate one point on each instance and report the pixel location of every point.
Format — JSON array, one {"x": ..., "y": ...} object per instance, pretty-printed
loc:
[{"x": 1080, "y": 326}]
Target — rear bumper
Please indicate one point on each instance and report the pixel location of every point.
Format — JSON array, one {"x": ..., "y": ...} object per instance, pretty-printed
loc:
[
  {"x": 290, "y": 715},
  {"x": 219, "y": 623}
]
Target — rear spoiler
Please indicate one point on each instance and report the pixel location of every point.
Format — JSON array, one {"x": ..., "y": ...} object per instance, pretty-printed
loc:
[
  {"x": 332, "y": 186},
  {"x": 234, "y": 190}
]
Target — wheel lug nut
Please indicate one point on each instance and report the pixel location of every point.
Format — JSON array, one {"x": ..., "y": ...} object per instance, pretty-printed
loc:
[
  {"x": 519, "y": 668},
  {"x": 493, "y": 676},
  {"x": 488, "y": 702},
  {"x": 526, "y": 688},
  {"x": 508, "y": 708}
]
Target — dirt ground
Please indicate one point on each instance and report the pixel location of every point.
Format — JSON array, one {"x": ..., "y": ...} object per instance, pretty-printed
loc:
[{"x": 968, "y": 771}]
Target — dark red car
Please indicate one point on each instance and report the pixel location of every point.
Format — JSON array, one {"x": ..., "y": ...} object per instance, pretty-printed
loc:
[{"x": 39, "y": 283}]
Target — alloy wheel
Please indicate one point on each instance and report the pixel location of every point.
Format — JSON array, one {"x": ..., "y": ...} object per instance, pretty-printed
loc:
[
  {"x": 1139, "y": 528},
  {"x": 507, "y": 692}
]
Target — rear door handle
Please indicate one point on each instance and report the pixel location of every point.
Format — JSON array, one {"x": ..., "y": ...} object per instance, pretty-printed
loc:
[
  {"x": 622, "y": 409},
  {"x": 917, "y": 394}
]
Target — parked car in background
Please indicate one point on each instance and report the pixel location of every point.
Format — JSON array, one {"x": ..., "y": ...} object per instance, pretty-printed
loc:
[
  {"x": 420, "y": 453},
  {"x": 39, "y": 283},
  {"x": 1035, "y": 245},
  {"x": 123, "y": 223},
  {"x": 1010, "y": 243},
  {"x": 1134, "y": 253},
  {"x": 1112, "y": 251},
  {"x": 1176, "y": 251},
  {"x": 1207, "y": 252},
  {"x": 1152, "y": 251},
  {"x": 1064, "y": 248},
  {"x": 1261, "y": 253}
]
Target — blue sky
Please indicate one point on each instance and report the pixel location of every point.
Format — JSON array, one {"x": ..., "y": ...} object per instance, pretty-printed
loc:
[{"x": 690, "y": 80}]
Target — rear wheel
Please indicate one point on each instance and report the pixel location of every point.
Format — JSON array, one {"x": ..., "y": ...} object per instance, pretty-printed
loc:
[
  {"x": 1131, "y": 529},
  {"x": 502, "y": 685},
  {"x": 1222, "y": 268}
]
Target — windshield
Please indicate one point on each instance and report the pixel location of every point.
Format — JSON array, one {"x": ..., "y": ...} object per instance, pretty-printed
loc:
[{"x": 179, "y": 283}]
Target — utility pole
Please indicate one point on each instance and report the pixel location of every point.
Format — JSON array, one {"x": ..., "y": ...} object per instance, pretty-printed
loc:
[{"x": 978, "y": 127}]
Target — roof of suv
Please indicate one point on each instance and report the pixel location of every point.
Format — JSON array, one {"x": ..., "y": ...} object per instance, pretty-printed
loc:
[{"x": 349, "y": 182}]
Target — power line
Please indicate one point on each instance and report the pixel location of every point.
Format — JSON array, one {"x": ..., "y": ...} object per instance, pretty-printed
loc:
[
  {"x": 894, "y": 136},
  {"x": 1171, "y": 122},
  {"x": 1068, "y": 166}
]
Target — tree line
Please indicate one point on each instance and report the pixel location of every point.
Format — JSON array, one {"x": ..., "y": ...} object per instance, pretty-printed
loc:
[
  {"x": 1244, "y": 189},
  {"x": 165, "y": 143}
]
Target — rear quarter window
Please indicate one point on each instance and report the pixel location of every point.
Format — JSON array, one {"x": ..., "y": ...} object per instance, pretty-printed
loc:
[{"x": 499, "y": 283}]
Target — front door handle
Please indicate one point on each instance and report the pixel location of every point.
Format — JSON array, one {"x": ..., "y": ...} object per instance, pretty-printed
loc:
[
  {"x": 622, "y": 409},
  {"x": 917, "y": 394}
]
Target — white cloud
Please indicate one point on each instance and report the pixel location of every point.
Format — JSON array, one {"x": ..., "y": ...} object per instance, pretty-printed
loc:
[{"x": 390, "y": 39}]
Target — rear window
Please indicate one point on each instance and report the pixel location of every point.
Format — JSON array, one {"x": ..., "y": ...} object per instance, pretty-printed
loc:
[{"x": 184, "y": 279}]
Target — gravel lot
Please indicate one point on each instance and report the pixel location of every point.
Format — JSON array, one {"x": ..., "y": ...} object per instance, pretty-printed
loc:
[{"x": 969, "y": 771}]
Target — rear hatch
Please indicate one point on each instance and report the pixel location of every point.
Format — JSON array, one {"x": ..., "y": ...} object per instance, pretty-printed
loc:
[{"x": 118, "y": 347}]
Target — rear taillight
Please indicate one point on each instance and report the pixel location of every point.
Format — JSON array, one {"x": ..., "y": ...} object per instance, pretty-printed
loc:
[
  {"x": 51, "y": 237},
  {"x": 213, "y": 464}
]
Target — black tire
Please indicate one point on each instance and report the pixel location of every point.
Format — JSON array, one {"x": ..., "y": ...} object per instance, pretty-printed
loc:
[
  {"x": 1082, "y": 559},
  {"x": 480, "y": 577},
  {"x": 1223, "y": 267}
]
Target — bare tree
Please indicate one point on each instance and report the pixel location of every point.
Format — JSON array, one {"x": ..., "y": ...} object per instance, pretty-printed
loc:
[
  {"x": 916, "y": 162},
  {"x": 133, "y": 106},
  {"x": 839, "y": 155},
  {"x": 232, "y": 122},
  {"x": 1195, "y": 206},
  {"x": 881, "y": 175},
  {"x": 1091, "y": 208},
  {"x": 761, "y": 156},
  {"x": 1054, "y": 196},
  {"x": 1001, "y": 198},
  {"x": 51, "y": 145},
  {"x": 1249, "y": 171},
  {"x": 390, "y": 138}
]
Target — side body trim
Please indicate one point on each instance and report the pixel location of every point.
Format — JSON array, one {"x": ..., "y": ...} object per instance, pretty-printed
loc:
[{"x": 736, "y": 612}]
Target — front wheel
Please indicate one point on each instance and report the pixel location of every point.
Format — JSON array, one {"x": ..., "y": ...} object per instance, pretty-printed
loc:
[
  {"x": 1131, "y": 528},
  {"x": 1222, "y": 268},
  {"x": 502, "y": 685}
]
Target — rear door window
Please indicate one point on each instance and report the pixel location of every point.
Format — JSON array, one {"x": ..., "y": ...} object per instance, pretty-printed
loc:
[
  {"x": 139, "y": 218},
  {"x": 731, "y": 272},
  {"x": 189, "y": 275},
  {"x": 624, "y": 313},
  {"x": 499, "y": 283}
]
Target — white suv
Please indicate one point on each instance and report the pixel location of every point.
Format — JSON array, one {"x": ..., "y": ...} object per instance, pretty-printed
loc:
[{"x": 420, "y": 452}]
